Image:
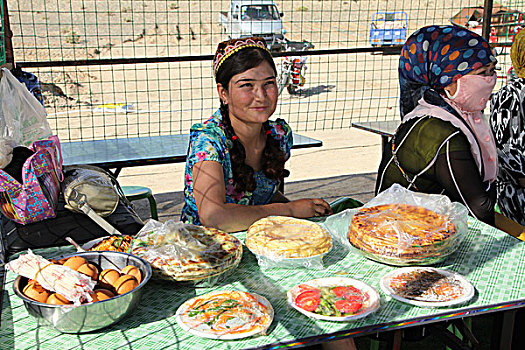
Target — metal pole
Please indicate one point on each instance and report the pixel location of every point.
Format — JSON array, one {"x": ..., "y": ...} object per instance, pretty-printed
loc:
[
  {"x": 487, "y": 18},
  {"x": 8, "y": 34}
]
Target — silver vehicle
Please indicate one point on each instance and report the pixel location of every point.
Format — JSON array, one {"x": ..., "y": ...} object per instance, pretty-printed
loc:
[{"x": 253, "y": 18}]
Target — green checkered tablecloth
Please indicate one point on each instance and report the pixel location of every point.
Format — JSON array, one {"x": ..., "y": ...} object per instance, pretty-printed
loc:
[{"x": 489, "y": 258}]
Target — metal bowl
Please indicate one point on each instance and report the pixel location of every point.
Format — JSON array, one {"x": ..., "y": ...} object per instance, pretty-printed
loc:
[{"x": 92, "y": 316}]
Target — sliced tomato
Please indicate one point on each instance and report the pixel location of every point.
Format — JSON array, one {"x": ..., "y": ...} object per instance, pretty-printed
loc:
[
  {"x": 352, "y": 289},
  {"x": 348, "y": 307},
  {"x": 308, "y": 300},
  {"x": 354, "y": 297},
  {"x": 354, "y": 294},
  {"x": 339, "y": 291},
  {"x": 350, "y": 293}
]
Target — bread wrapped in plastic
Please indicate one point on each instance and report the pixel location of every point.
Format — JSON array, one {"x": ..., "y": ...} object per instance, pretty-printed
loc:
[
  {"x": 185, "y": 252},
  {"x": 286, "y": 242},
  {"x": 401, "y": 227}
]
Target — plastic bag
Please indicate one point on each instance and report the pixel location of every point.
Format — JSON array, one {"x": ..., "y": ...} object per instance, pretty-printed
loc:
[
  {"x": 185, "y": 252},
  {"x": 396, "y": 234},
  {"x": 286, "y": 242},
  {"x": 22, "y": 117}
]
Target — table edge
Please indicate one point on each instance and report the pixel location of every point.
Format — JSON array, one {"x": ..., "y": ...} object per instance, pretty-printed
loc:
[{"x": 394, "y": 325}]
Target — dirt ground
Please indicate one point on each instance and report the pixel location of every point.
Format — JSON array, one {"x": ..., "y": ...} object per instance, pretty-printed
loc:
[{"x": 169, "y": 97}]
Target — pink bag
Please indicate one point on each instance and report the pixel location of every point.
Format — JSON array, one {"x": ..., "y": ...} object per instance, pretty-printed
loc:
[{"x": 36, "y": 198}]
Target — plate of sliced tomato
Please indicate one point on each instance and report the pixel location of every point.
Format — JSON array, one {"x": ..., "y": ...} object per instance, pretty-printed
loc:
[{"x": 334, "y": 299}]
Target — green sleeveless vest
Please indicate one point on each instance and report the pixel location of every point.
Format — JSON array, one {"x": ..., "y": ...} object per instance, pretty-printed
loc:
[{"x": 421, "y": 145}]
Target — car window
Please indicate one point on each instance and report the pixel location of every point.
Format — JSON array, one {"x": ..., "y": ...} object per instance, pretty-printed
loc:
[{"x": 259, "y": 13}]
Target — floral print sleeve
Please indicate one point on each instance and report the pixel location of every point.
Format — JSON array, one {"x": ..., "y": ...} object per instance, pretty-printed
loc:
[
  {"x": 208, "y": 143},
  {"x": 282, "y": 130},
  {"x": 205, "y": 144}
]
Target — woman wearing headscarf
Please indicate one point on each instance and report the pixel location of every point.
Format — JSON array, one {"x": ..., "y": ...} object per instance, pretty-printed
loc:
[
  {"x": 444, "y": 144},
  {"x": 507, "y": 119}
]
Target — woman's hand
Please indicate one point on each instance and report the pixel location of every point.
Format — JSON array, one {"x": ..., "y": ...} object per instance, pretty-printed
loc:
[
  {"x": 307, "y": 208},
  {"x": 209, "y": 191}
]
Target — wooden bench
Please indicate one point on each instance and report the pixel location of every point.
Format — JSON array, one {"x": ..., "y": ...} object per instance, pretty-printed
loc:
[
  {"x": 510, "y": 226},
  {"x": 119, "y": 153}
]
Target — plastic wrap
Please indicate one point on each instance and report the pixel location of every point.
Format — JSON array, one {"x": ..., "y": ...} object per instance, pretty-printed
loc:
[
  {"x": 74, "y": 286},
  {"x": 401, "y": 227},
  {"x": 285, "y": 242},
  {"x": 187, "y": 253}
]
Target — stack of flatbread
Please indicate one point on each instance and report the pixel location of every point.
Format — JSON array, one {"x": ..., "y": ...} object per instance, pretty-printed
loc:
[
  {"x": 402, "y": 233},
  {"x": 185, "y": 252},
  {"x": 281, "y": 237}
]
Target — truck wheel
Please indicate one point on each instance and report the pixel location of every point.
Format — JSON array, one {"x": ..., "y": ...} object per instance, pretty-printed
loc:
[
  {"x": 291, "y": 89},
  {"x": 497, "y": 50},
  {"x": 282, "y": 80}
]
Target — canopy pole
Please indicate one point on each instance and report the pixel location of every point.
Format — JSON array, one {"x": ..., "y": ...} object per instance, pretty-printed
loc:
[
  {"x": 8, "y": 34},
  {"x": 487, "y": 19}
]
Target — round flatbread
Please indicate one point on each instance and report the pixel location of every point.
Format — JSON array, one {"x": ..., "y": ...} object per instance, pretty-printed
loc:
[
  {"x": 401, "y": 230},
  {"x": 189, "y": 252},
  {"x": 286, "y": 237},
  {"x": 226, "y": 315}
]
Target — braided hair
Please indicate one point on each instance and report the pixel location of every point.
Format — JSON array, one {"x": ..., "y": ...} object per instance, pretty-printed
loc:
[{"x": 273, "y": 156}]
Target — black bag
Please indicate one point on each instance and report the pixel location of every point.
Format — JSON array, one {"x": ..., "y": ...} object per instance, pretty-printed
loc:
[{"x": 51, "y": 232}]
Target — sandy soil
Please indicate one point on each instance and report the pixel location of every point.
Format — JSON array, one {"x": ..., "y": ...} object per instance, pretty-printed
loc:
[{"x": 169, "y": 97}]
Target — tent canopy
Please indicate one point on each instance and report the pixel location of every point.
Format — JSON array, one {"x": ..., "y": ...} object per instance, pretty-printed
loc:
[{"x": 468, "y": 14}]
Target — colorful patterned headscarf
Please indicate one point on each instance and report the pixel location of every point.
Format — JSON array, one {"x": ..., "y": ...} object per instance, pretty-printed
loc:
[
  {"x": 433, "y": 57},
  {"x": 227, "y": 48},
  {"x": 517, "y": 54}
]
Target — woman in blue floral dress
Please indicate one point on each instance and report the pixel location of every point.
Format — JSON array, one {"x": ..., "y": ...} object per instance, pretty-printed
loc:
[{"x": 236, "y": 158}]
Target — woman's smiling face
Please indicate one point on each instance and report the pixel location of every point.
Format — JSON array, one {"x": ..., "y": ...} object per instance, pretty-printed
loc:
[{"x": 251, "y": 95}]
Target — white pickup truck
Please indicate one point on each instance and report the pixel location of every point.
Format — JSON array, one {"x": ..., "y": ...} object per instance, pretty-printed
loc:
[{"x": 253, "y": 18}]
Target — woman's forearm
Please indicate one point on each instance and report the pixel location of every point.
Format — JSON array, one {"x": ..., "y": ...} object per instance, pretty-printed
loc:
[{"x": 236, "y": 217}]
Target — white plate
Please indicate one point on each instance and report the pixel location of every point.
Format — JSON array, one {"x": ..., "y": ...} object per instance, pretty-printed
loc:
[
  {"x": 371, "y": 305},
  {"x": 205, "y": 334},
  {"x": 466, "y": 295},
  {"x": 93, "y": 242}
]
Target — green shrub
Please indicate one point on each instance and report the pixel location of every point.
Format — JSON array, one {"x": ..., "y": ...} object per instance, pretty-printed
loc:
[{"x": 72, "y": 37}]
